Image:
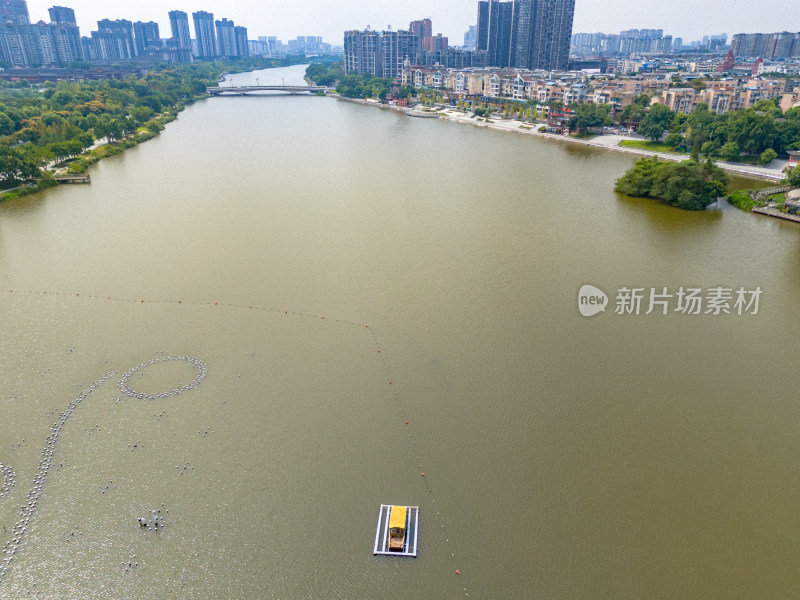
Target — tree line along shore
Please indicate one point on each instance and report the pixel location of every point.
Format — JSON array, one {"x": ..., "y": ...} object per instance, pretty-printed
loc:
[{"x": 61, "y": 128}]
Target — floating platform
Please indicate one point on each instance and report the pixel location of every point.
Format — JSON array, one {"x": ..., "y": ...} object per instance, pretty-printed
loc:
[{"x": 382, "y": 532}]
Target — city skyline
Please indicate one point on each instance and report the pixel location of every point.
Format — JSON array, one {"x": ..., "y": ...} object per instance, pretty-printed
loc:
[{"x": 451, "y": 18}]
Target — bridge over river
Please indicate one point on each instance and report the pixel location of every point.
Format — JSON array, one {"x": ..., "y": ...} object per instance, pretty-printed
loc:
[{"x": 241, "y": 90}]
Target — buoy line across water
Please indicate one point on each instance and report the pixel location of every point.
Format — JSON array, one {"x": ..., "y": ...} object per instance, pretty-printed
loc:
[{"x": 28, "y": 509}]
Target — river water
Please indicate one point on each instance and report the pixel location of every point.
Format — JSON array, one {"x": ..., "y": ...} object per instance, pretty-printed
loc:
[{"x": 340, "y": 270}]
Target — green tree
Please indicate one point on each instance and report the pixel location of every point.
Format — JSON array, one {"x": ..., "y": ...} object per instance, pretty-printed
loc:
[
  {"x": 633, "y": 113},
  {"x": 15, "y": 166},
  {"x": 699, "y": 123},
  {"x": 730, "y": 151},
  {"x": 793, "y": 178},
  {"x": 141, "y": 114},
  {"x": 589, "y": 115},
  {"x": 708, "y": 148},
  {"x": 674, "y": 140},
  {"x": 767, "y": 156},
  {"x": 696, "y": 151},
  {"x": 752, "y": 132},
  {"x": 6, "y": 124},
  {"x": 655, "y": 122},
  {"x": 638, "y": 180}
]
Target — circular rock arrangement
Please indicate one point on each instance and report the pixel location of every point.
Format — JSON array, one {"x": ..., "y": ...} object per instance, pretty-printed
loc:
[
  {"x": 8, "y": 477},
  {"x": 126, "y": 389}
]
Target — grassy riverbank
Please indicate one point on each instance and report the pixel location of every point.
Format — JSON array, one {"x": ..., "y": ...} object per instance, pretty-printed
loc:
[{"x": 649, "y": 145}]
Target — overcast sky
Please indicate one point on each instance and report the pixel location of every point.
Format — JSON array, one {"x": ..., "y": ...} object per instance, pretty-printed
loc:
[{"x": 689, "y": 19}]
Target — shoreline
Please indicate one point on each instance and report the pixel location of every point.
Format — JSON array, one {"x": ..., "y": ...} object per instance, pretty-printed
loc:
[{"x": 521, "y": 127}]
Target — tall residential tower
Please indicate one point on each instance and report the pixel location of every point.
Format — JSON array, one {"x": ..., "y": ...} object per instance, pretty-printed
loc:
[
  {"x": 179, "y": 26},
  {"x": 529, "y": 34},
  {"x": 204, "y": 32}
]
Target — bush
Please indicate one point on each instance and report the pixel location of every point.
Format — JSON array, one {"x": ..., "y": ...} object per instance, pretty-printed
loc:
[
  {"x": 743, "y": 201},
  {"x": 767, "y": 156}
]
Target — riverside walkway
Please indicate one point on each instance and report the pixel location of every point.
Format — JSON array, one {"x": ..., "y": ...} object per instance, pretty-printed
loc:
[{"x": 241, "y": 90}]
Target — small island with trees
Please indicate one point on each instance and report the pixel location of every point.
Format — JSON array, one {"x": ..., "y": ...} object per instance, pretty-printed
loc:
[{"x": 687, "y": 184}]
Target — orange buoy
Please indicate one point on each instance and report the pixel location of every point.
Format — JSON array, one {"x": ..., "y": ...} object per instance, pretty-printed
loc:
[
  {"x": 251, "y": 306},
  {"x": 323, "y": 317},
  {"x": 422, "y": 474},
  {"x": 458, "y": 572},
  {"x": 379, "y": 349},
  {"x": 406, "y": 422},
  {"x": 390, "y": 381},
  {"x": 179, "y": 301}
]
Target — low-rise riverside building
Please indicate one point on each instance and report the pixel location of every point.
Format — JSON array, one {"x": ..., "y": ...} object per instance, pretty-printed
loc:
[{"x": 720, "y": 95}]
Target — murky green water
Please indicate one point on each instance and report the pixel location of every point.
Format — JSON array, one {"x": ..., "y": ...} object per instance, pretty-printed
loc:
[{"x": 618, "y": 456}]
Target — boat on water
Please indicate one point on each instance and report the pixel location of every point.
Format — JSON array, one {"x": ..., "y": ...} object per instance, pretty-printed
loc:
[
  {"x": 423, "y": 114},
  {"x": 397, "y": 530}
]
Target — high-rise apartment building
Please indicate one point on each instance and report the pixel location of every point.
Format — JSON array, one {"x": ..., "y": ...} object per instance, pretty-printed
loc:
[
  {"x": 242, "y": 45},
  {"x": 145, "y": 36},
  {"x": 435, "y": 43},
  {"x": 14, "y": 11},
  {"x": 204, "y": 33},
  {"x": 62, "y": 15},
  {"x": 766, "y": 45},
  {"x": 530, "y": 34},
  {"x": 422, "y": 28},
  {"x": 471, "y": 37},
  {"x": 362, "y": 52},
  {"x": 543, "y": 34},
  {"x": 179, "y": 26},
  {"x": 383, "y": 53},
  {"x": 496, "y": 31},
  {"x": 114, "y": 40},
  {"x": 395, "y": 47},
  {"x": 226, "y": 38},
  {"x": 67, "y": 40},
  {"x": 23, "y": 44}
]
